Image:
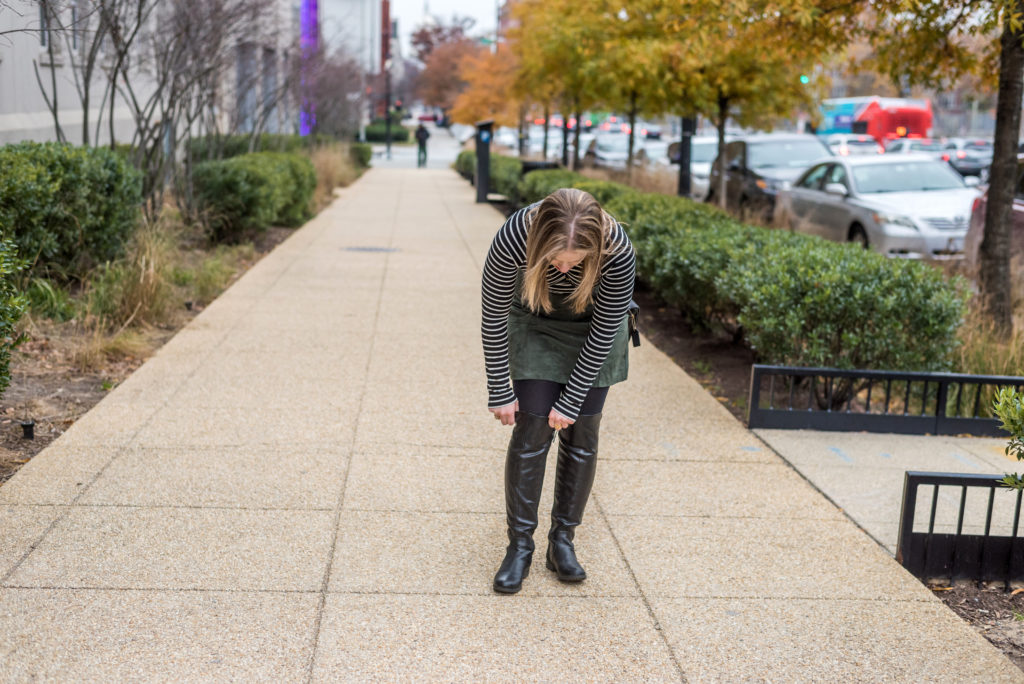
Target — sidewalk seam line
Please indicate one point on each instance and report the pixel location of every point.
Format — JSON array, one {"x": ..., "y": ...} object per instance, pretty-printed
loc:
[
  {"x": 339, "y": 507},
  {"x": 643, "y": 596}
]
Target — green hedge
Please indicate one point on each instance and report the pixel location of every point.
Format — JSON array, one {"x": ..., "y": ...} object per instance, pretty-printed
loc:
[
  {"x": 253, "y": 192},
  {"x": 376, "y": 131},
  {"x": 465, "y": 164},
  {"x": 361, "y": 154},
  {"x": 67, "y": 208},
  {"x": 227, "y": 146},
  {"x": 506, "y": 173},
  {"x": 795, "y": 299},
  {"x": 12, "y": 304}
]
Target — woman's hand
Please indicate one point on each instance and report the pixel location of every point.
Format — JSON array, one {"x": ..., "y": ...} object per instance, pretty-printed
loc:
[
  {"x": 506, "y": 414},
  {"x": 558, "y": 421}
]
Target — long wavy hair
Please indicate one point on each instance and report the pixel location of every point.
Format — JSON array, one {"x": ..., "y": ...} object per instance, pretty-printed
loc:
[{"x": 567, "y": 219}]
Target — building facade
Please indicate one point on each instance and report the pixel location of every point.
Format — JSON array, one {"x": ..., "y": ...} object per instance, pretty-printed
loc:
[
  {"x": 56, "y": 57},
  {"x": 355, "y": 27}
]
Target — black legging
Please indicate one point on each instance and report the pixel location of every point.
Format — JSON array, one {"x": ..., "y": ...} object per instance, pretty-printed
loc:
[{"x": 539, "y": 396}]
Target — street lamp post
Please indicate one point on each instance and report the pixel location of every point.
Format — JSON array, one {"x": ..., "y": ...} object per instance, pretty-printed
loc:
[{"x": 387, "y": 106}]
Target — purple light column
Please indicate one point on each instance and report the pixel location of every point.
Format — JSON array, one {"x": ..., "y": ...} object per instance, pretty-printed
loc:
[{"x": 310, "y": 42}]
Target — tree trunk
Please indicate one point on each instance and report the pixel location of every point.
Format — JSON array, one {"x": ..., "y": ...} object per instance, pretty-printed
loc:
[
  {"x": 576, "y": 141},
  {"x": 723, "y": 163},
  {"x": 522, "y": 131},
  {"x": 994, "y": 258},
  {"x": 113, "y": 99},
  {"x": 632, "y": 133},
  {"x": 565, "y": 141},
  {"x": 547, "y": 115}
]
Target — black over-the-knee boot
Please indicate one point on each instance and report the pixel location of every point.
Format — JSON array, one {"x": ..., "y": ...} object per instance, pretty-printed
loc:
[
  {"x": 577, "y": 463},
  {"x": 524, "y": 477}
]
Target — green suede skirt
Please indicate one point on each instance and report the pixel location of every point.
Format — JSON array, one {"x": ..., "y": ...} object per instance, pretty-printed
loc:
[{"x": 546, "y": 346}]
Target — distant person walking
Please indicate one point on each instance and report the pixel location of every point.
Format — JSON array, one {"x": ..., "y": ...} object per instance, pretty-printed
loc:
[
  {"x": 557, "y": 285},
  {"x": 421, "y": 140}
]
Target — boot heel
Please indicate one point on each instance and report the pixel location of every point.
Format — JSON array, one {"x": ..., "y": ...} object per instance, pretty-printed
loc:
[{"x": 550, "y": 566}]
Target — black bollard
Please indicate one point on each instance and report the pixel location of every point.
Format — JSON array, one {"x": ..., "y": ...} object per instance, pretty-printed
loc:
[
  {"x": 689, "y": 126},
  {"x": 28, "y": 429},
  {"x": 483, "y": 158}
]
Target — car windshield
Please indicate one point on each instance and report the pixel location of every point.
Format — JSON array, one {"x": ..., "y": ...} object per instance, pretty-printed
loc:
[
  {"x": 791, "y": 153},
  {"x": 911, "y": 176},
  {"x": 703, "y": 152}
]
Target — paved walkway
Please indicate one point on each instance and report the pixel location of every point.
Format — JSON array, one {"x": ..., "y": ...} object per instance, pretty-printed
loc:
[
  {"x": 304, "y": 485},
  {"x": 864, "y": 473}
]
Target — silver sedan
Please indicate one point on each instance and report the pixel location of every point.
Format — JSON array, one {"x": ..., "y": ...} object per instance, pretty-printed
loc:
[{"x": 899, "y": 205}]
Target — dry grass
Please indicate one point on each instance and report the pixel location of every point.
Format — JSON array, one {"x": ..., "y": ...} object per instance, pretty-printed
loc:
[
  {"x": 334, "y": 169},
  {"x": 644, "y": 179},
  {"x": 983, "y": 350}
]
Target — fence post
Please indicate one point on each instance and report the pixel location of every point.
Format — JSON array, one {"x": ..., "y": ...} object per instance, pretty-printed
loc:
[{"x": 906, "y": 516}]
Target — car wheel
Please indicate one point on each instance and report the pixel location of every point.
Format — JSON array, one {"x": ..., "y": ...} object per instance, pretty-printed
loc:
[{"x": 858, "y": 236}]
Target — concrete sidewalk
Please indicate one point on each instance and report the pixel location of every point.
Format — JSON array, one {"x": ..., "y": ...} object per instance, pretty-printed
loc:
[
  {"x": 305, "y": 485},
  {"x": 863, "y": 474}
]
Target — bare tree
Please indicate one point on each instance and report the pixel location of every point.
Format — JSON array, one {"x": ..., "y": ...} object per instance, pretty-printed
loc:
[
  {"x": 334, "y": 84},
  {"x": 179, "y": 66}
]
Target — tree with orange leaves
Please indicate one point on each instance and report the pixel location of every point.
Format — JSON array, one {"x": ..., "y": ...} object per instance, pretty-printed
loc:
[
  {"x": 441, "y": 80},
  {"x": 490, "y": 80}
]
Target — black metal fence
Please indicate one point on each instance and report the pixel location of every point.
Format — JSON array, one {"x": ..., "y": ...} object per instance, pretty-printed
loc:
[
  {"x": 875, "y": 401},
  {"x": 953, "y": 555}
]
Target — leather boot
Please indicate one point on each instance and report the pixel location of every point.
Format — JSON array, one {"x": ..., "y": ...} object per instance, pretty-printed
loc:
[
  {"x": 577, "y": 463},
  {"x": 524, "y": 477}
]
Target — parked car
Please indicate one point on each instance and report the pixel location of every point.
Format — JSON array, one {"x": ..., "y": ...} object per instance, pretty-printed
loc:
[
  {"x": 899, "y": 205},
  {"x": 977, "y": 229},
  {"x": 648, "y": 130},
  {"x": 969, "y": 156},
  {"x": 612, "y": 151},
  {"x": 759, "y": 166},
  {"x": 845, "y": 144},
  {"x": 703, "y": 150},
  {"x": 929, "y": 146},
  {"x": 507, "y": 137}
]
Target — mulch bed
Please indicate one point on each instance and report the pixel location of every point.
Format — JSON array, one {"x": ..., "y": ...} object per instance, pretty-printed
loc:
[{"x": 47, "y": 387}]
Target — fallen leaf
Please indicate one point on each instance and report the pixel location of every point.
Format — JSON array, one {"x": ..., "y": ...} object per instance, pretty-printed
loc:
[
  {"x": 1016, "y": 591},
  {"x": 942, "y": 588}
]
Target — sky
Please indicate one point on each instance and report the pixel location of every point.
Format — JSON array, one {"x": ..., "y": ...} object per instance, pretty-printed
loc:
[{"x": 410, "y": 13}]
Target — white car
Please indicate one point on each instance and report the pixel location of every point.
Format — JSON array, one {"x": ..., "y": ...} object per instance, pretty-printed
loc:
[
  {"x": 846, "y": 144},
  {"x": 612, "y": 151},
  {"x": 897, "y": 204}
]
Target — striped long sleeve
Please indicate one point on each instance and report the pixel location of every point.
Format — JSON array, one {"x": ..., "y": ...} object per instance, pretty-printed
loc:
[{"x": 506, "y": 257}]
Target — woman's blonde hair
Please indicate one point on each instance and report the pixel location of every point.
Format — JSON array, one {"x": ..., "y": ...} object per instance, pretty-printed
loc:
[{"x": 567, "y": 219}]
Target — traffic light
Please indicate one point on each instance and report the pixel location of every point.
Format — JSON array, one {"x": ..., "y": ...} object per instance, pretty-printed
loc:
[{"x": 805, "y": 79}]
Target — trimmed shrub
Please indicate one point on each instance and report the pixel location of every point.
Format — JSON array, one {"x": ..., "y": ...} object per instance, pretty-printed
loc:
[
  {"x": 465, "y": 164},
  {"x": 537, "y": 185},
  {"x": 377, "y": 131},
  {"x": 252, "y": 192},
  {"x": 299, "y": 193},
  {"x": 361, "y": 154},
  {"x": 506, "y": 172},
  {"x": 12, "y": 305},
  {"x": 811, "y": 303},
  {"x": 796, "y": 299},
  {"x": 67, "y": 208}
]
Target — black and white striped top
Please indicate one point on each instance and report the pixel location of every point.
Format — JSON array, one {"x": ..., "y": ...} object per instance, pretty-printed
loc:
[{"x": 506, "y": 257}]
